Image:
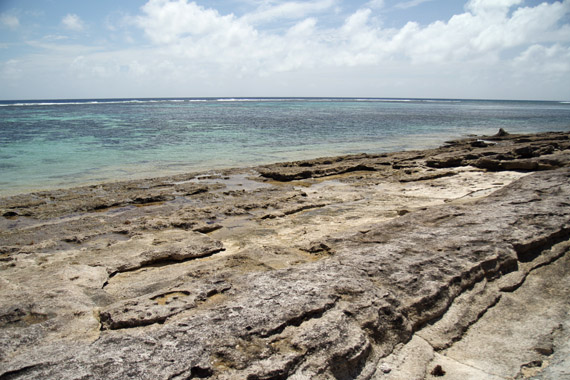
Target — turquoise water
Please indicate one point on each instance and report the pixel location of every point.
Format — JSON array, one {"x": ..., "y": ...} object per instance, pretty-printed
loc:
[{"x": 52, "y": 144}]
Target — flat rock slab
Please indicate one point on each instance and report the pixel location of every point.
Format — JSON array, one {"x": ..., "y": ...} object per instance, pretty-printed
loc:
[
  {"x": 538, "y": 317},
  {"x": 280, "y": 288}
]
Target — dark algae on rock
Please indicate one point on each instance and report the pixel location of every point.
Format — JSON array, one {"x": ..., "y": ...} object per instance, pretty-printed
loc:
[{"x": 405, "y": 265}]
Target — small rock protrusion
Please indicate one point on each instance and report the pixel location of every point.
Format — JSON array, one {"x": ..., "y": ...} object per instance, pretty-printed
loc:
[
  {"x": 545, "y": 346},
  {"x": 437, "y": 371},
  {"x": 318, "y": 247},
  {"x": 479, "y": 144},
  {"x": 385, "y": 368},
  {"x": 502, "y": 133}
]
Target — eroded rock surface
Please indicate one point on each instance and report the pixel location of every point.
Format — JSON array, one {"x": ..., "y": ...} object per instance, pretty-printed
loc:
[{"x": 384, "y": 266}]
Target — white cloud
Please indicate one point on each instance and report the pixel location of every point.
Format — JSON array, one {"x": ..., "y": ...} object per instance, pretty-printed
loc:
[
  {"x": 303, "y": 29},
  {"x": 375, "y": 4},
  {"x": 491, "y": 6},
  {"x": 482, "y": 34},
  {"x": 288, "y": 10},
  {"x": 356, "y": 22},
  {"x": 195, "y": 32},
  {"x": 73, "y": 22},
  {"x": 9, "y": 21},
  {"x": 170, "y": 21},
  {"x": 543, "y": 60},
  {"x": 410, "y": 4}
]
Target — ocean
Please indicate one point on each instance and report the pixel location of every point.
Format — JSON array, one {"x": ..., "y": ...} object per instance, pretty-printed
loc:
[{"x": 52, "y": 144}]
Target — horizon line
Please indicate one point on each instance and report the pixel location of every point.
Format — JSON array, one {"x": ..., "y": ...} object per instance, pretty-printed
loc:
[{"x": 144, "y": 98}]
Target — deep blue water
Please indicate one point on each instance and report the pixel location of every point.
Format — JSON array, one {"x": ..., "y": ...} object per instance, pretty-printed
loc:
[{"x": 61, "y": 143}]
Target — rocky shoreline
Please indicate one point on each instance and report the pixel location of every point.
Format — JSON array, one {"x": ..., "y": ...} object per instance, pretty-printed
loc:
[{"x": 450, "y": 262}]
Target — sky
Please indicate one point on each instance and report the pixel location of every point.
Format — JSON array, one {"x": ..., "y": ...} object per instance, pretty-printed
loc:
[{"x": 476, "y": 49}]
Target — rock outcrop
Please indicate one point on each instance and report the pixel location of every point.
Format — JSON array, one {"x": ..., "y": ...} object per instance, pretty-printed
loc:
[{"x": 383, "y": 266}]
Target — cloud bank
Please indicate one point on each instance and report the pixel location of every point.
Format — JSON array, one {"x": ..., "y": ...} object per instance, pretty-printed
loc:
[{"x": 494, "y": 49}]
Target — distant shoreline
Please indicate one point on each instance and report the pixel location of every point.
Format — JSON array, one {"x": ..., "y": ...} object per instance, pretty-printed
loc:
[{"x": 17, "y": 102}]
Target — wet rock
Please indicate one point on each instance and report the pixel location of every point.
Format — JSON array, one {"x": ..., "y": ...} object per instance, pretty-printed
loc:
[
  {"x": 450, "y": 161},
  {"x": 320, "y": 167},
  {"x": 481, "y": 144}
]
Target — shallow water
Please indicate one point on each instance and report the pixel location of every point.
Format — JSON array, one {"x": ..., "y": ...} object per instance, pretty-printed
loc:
[{"x": 50, "y": 144}]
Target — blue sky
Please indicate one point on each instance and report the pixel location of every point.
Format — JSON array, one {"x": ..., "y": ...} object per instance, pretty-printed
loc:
[{"x": 493, "y": 49}]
